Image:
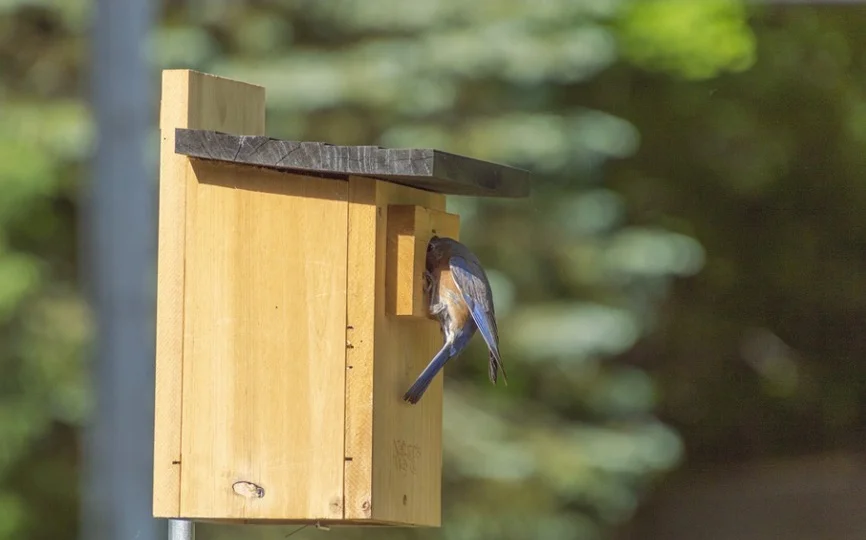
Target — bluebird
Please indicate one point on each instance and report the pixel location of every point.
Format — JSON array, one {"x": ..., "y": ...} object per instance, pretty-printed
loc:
[{"x": 460, "y": 298}]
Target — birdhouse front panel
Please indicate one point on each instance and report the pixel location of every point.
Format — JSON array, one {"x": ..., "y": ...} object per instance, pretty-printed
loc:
[{"x": 264, "y": 345}]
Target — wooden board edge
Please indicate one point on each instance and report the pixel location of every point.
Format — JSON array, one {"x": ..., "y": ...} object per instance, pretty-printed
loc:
[
  {"x": 360, "y": 332},
  {"x": 171, "y": 246}
]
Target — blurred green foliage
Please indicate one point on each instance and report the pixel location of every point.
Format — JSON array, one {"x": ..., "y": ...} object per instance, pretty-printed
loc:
[
  {"x": 697, "y": 40},
  {"x": 44, "y": 139},
  {"x": 660, "y": 156},
  {"x": 760, "y": 354}
]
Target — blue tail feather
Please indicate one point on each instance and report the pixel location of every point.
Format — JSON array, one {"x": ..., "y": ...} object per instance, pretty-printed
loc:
[{"x": 433, "y": 368}]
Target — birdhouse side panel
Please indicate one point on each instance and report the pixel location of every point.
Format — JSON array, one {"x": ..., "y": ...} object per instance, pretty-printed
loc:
[
  {"x": 264, "y": 345},
  {"x": 394, "y": 472}
]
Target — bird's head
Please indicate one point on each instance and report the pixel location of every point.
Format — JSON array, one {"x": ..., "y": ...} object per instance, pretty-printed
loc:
[{"x": 435, "y": 251}]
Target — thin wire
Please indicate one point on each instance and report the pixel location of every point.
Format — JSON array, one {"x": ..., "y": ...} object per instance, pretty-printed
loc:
[{"x": 299, "y": 529}]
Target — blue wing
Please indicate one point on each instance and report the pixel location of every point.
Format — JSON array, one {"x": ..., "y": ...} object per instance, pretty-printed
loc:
[{"x": 475, "y": 289}]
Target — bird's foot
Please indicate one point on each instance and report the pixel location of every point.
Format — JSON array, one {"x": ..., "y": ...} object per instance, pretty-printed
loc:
[{"x": 428, "y": 281}]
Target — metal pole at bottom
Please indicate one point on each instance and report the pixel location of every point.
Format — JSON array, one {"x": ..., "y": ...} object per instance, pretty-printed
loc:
[{"x": 181, "y": 529}]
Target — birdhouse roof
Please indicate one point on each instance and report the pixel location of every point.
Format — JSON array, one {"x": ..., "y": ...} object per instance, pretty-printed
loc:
[{"x": 422, "y": 168}]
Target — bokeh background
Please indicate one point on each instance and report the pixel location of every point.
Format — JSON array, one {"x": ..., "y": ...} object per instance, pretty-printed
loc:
[{"x": 682, "y": 299}]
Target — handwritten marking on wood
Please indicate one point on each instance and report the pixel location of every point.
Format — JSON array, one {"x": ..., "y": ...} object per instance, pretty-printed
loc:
[{"x": 406, "y": 456}]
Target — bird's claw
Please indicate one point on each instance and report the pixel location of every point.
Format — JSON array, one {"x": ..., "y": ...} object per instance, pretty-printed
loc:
[{"x": 428, "y": 282}]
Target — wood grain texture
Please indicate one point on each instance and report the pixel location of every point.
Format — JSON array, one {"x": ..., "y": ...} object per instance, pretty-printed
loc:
[
  {"x": 427, "y": 169},
  {"x": 265, "y": 345},
  {"x": 197, "y": 101},
  {"x": 410, "y": 228}
]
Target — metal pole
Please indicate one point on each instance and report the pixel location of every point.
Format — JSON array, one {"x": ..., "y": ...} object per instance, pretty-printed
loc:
[
  {"x": 119, "y": 243},
  {"x": 181, "y": 529}
]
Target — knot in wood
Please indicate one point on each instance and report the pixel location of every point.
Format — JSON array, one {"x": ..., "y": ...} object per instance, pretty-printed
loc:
[{"x": 248, "y": 490}]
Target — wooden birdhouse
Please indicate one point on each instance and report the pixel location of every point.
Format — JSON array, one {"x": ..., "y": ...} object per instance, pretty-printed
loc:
[{"x": 291, "y": 317}]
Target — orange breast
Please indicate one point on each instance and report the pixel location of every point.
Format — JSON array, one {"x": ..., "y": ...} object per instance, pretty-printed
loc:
[{"x": 450, "y": 294}]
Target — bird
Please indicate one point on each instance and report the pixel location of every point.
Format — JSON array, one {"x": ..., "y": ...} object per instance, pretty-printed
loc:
[{"x": 461, "y": 300}]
